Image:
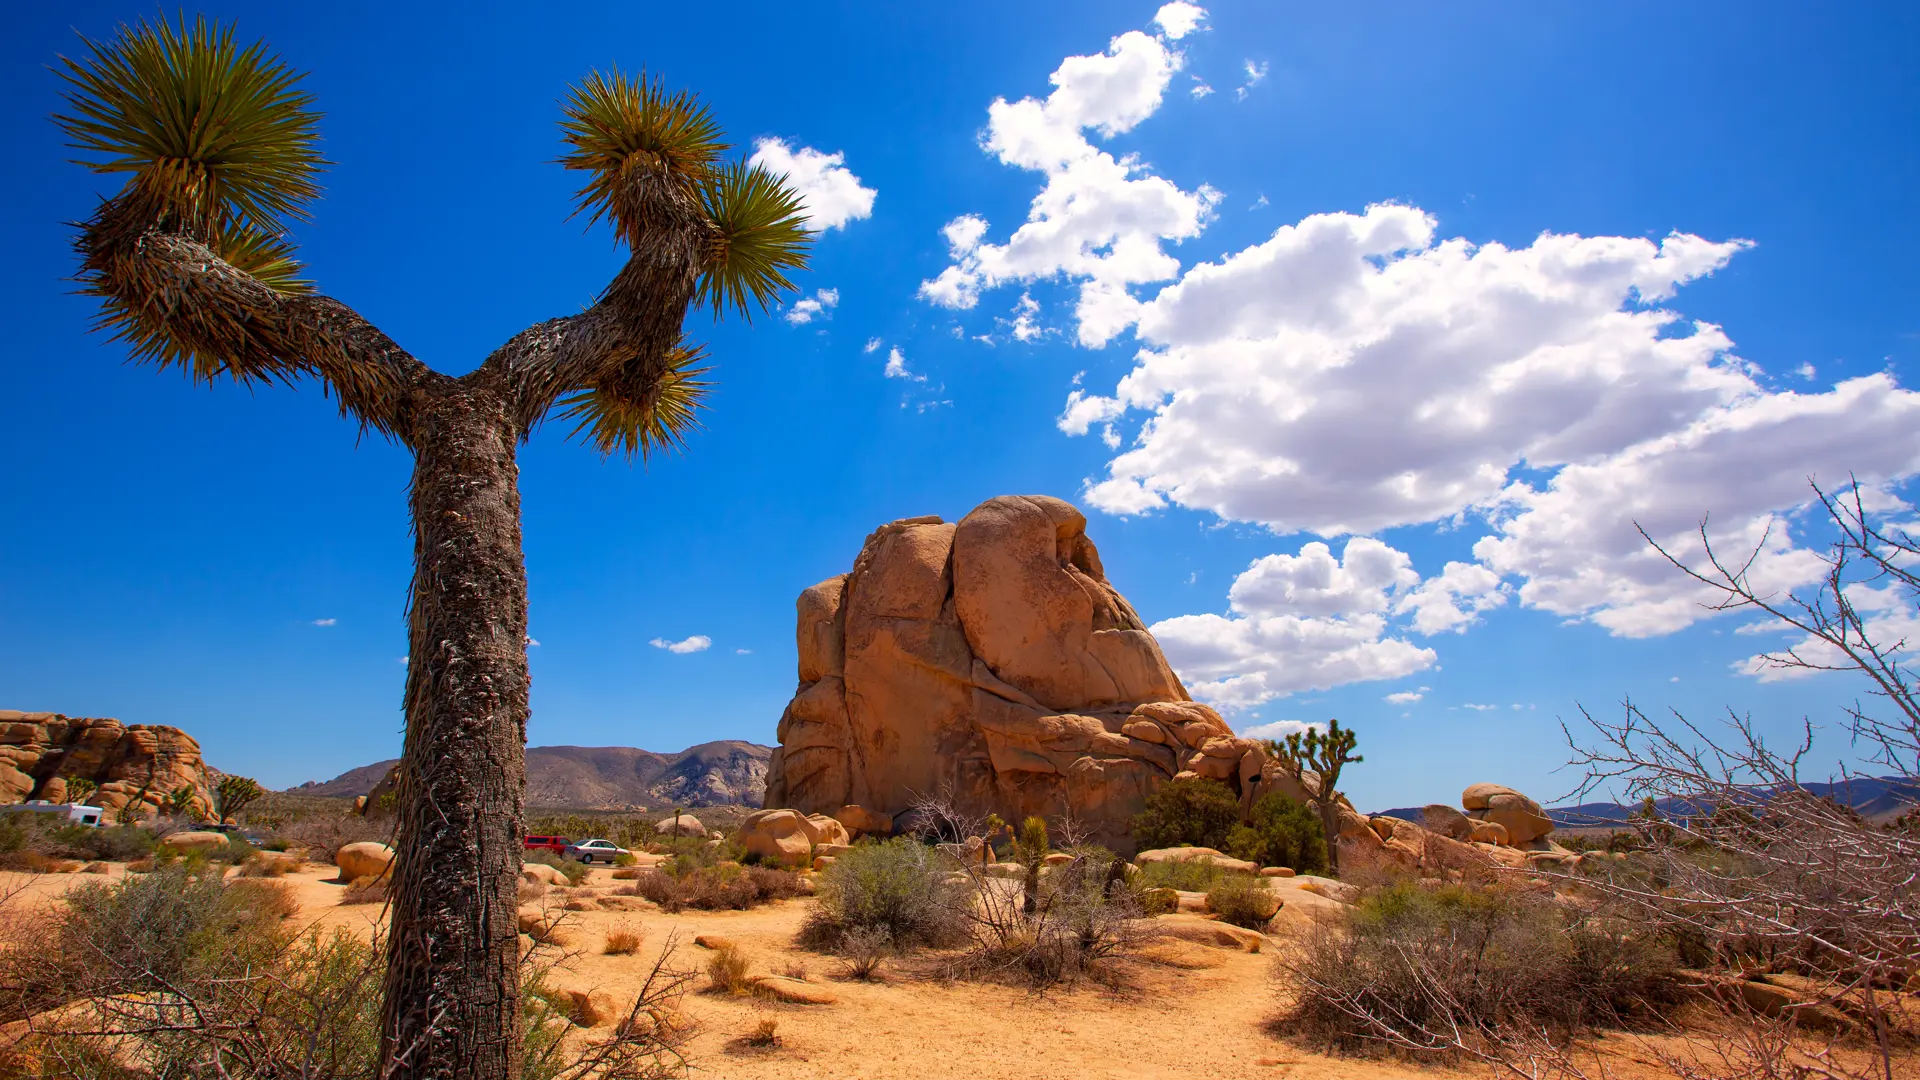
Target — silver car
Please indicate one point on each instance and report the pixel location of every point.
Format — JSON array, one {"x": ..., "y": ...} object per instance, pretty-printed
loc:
[{"x": 593, "y": 851}]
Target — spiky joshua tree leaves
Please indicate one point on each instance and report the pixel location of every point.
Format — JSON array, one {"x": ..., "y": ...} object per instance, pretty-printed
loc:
[{"x": 194, "y": 270}]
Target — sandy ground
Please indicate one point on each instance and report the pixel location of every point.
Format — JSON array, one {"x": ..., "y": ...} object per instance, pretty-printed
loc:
[{"x": 1200, "y": 1014}]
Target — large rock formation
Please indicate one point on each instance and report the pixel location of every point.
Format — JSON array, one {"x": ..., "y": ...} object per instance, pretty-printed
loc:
[
  {"x": 990, "y": 659},
  {"x": 139, "y": 763}
]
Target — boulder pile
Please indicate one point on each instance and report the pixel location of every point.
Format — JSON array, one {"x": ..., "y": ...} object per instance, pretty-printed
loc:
[
  {"x": 139, "y": 764},
  {"x": 990, "y": 661}
]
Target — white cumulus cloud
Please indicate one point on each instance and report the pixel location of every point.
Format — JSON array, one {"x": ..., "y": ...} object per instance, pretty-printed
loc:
[
  {"x": 1178, "y": 19},
  {"x": 1279, "y": 729},
  {"x": 831, "y": 194},
  {"x": 694, "y": 644},
  {"x": 818, "y": 306},
  {"x": 1405, "y": 697},
  {"x": 897, "y": 367},
  {"x": 1098, "y": 219},
  {"x": 1298, "y": 622}
]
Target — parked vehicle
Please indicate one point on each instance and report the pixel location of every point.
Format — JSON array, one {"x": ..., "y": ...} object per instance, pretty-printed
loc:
[
  {"x": 252, "y": 838},
  {"x": 593, "y": 851},
  {"x": 555, "y": 844},
  {"x": 75, "y": 813}
]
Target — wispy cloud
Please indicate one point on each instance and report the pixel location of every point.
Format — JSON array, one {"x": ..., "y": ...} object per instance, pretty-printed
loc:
[
  {"x": 743, "y": 652},
  {"x": 325, "y": 622},
  {"x": 1256, "y": 74},
  {"x": 694, "y": 644}
]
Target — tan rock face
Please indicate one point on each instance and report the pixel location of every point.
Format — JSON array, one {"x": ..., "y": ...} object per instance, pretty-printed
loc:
[
  {"x": 141, "y": 764},
  {"x": 364, "y": 859},
  {"x": 992, "y": 659}
]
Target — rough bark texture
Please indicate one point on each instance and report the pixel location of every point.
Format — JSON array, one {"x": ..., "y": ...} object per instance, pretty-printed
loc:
[{"x": 452, "y": 1001}]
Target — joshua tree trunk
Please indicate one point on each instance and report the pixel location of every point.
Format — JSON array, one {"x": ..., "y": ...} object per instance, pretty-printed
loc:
[{"x": 452, "y": 991}]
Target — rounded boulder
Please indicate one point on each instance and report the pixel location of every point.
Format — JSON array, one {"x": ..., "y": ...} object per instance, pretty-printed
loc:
[
  {"x": 194, "y": 841},
  {"x": 364, "y": 859}
]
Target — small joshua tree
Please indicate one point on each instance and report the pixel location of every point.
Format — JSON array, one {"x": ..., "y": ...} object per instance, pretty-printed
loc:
[
  {"x": 234, "y": 794},
  {"x": 80, "y": 789},
  {"x": 1030, "y": 848},
  {"x": 194, "y": 271},
  {"x": 183, "y": 801},
  {"x": 1324, "y": 754}
]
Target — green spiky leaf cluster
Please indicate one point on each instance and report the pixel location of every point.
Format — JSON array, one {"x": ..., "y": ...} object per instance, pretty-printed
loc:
[
  {"x": 219, "y": 139},
  {"x": 760, "y": 234},
  {"x": 646, "y": 149},
  {"x": 626, "y": 132},
  {"x": 650, "y": 412}
]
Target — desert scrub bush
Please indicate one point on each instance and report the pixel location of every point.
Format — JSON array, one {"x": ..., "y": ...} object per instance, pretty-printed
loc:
[
  {"x": 1242, "y": 900},
  {"x": 168, "y": 927},
  {"x": 1283, "y": 832},
  {"x": 1415, "y": 965},
  {"x": 863, "y": 950},
  {"x": 727, "y": 970},
  {"x": 1196, "y": 811},
  {"x": 367, "y": 890},
  {"x": 1082, "y": 923},
  {"x": 897, "y": 886},
  {"x": 724, "y": 886},
  {"x": 623, "y": 941}
]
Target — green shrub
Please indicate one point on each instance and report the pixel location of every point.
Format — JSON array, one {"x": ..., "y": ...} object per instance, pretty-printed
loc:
[
  {"x": 1283, "y": 833},
  {"x": 1415, "y": 959},
  {"x": 1241, "y": 899},
  {"x": 1198, "y": 875},
  {"x": 1197, "y": 811},
  {"x": 167, "y": 928},
  {"x": 895, "y": 885}
]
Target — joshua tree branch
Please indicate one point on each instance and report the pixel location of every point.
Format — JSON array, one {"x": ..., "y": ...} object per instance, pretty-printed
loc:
[
  {"x": 624, "y": 344},
  {"x": 171, "y": 295}
]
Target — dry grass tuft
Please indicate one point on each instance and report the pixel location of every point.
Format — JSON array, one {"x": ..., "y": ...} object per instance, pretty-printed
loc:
[
  {"x": 727, "y": 970},
  {"x": 624, "y": 941},
  {"x": 366, "y": 890}
]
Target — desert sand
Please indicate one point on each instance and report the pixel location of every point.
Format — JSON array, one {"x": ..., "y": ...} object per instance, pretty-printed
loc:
[{"x": 1190, "y": 1011}]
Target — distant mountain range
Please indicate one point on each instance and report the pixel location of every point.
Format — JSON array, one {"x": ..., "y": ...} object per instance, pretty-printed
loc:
[
  {"x": 1879, "y": 799},
  {"x": 612, "y": 777}
]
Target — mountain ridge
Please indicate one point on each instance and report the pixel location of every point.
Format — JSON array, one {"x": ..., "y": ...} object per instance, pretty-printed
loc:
[{"x": 725, "y": 771}]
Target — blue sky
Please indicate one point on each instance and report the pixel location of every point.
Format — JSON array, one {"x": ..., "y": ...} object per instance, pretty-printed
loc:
[{"x": 1482, "y": 287}]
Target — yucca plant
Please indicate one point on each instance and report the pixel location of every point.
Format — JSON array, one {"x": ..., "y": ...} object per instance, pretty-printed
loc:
[{"x": 194, "y": 269}]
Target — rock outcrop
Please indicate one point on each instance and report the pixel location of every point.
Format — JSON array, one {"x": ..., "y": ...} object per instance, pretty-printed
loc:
[
  {"x": 990, "y": 660},
  {"x": 141, "y": 764}
]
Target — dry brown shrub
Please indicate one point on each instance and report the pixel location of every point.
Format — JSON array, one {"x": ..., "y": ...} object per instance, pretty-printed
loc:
[
  {"x": 727, "y": 970},
  {"x": 268, "y": 898},
  {"x": 765, "y": 1033},
  {"x": 529, "y": 891},
  {"x": 366, "y": 890},
  {"x": 624, "y": 941}
]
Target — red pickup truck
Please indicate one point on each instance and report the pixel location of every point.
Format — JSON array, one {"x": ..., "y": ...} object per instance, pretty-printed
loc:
[{"x": 555, "y": 844}]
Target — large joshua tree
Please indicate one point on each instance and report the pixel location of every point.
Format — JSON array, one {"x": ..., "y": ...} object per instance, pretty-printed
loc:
[{"x": 194, "y": 271}]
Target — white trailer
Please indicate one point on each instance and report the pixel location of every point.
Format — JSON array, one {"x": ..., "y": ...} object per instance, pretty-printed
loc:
[{"x": 75, "y": 813}]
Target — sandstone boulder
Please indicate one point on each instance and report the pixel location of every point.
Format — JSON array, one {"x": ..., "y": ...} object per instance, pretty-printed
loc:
[
  {"x": 1196, "y": 854},
  {"x": 861, "y": 821},
  {"x": 684, "y": 825},
  {"x": 790, "y": 991},
  {"x": 136, "y": 767},
  {"x": 364, "y": 859},
  {"x": 534, "y": 873},
  {"x": 778, "y": 836},
  {"x": 1523, "y": 818},
  {"x": 1447, "y": 821},
  {"x": 194, "y": 841},
  {"x": 1489, "y": 832},
  {"x": 994, "y": 660},
  {"x": 591, "y": 1008},
  {"x": 1205, "y": 931}
]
